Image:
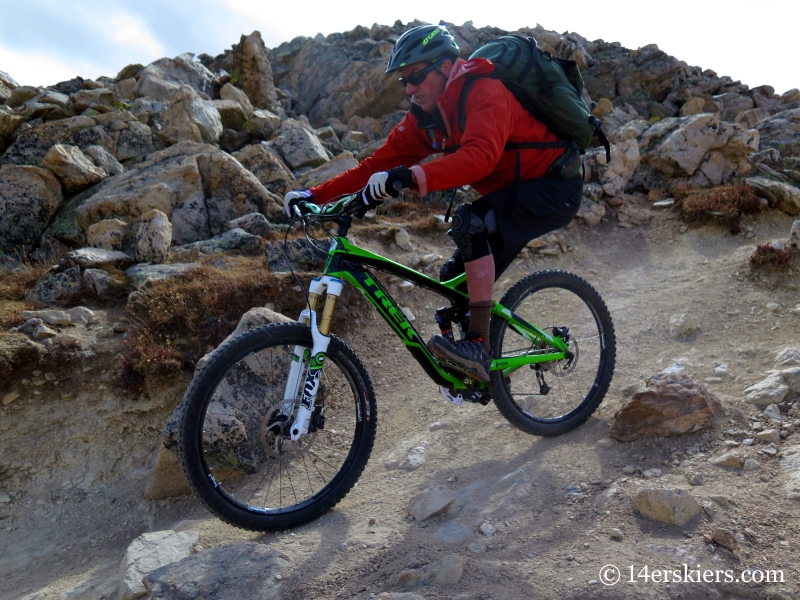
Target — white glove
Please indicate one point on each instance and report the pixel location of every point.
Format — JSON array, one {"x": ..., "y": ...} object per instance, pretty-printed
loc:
[
  {"x": 377, "y": 186},
  {"x": 295, "y": 197}
]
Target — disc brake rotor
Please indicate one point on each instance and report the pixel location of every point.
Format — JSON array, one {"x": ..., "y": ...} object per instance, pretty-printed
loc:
[{"x": 275, "y": 436}]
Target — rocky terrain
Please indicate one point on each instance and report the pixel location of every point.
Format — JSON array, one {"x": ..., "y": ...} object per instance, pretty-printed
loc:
[{"x": 110, "y": 187}]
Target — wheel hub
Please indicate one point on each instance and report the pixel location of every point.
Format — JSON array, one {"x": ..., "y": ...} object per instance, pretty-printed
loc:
[{"x": 275, "y": 437}]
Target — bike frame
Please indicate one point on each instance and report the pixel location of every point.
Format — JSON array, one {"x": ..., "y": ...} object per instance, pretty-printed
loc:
[{"x": 349, "y": 263}]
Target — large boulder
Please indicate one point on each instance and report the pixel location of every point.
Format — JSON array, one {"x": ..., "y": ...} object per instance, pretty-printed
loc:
[
  {"x": 677, "y": 147},
  {"x": 58, "y": 287},
  {"x": 614, "y": 176},
  {"x": 101, "y": 100},
  {"x": 149, "y": 552},
  {"x": 671, "y": 404},
  {"x": 782, "y": 132},
  {"x": 254, "y": 72},
  {"x": 327, "y": 84},
  {"x": 341, "y": 163},
  {"x": 161, "y": 79},
  {"x": 199, "y": 187},
  {"x": 152, "y": 236},
  {"x": 780, "y": 195},
  {"x": 189, "y": 117},
  {"x": 237, "y": 570},
  {"x": 298, "y": 146},
  {"x": 73, "y": 168},
  {"x": 31, "y": 146},
  {"x": 29, "y": 197},
  {"x": 267, "y": 166}
]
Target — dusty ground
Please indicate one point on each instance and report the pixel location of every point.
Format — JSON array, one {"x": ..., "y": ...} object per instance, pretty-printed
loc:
[{"x": 78, "y": 455}]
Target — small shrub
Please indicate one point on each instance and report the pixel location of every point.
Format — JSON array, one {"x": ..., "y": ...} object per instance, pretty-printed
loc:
[
  {"x": 14, "y": 284},
  {"x": 727, "y": 202},
  {"x": 768, "y": 257}
]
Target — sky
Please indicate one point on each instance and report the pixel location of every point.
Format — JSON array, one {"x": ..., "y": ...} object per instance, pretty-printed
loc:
[{"x": 43, "y": 42}]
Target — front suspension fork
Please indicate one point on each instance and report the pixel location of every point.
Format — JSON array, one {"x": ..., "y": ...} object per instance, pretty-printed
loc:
[{"x": 320, "y": 336}]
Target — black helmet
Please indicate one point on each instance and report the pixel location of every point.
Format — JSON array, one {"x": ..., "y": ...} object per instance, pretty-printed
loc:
[{"x": 426, "y": 43}]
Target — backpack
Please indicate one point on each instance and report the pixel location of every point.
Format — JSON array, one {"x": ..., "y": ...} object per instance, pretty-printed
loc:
[{"x": 548, "y": 87}]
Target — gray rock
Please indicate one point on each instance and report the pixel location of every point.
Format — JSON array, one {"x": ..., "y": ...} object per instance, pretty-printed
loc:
[
  {"x": 29, "y": 197},
  {"x": 771, "y": 390},
  {"x": 142, "y": 275},
  {"x": 487, "y": 529},
  {"x": 614, "y": 176},
  {"x": 92, "y": 258},
  {"x": 453, "y": 532},
  {"x": 788, "y": 357},
  {"x": 98, "y": 281},
  {"x": 163, "y": 78},
  {"x": 104, "y": 160},
  {"x": 683, "y": 325},
  {"x": 51, "y": 317},
  {"x": 198, "y": 186},
  {"x": 301, "y": 256},
  {"x": 235, "y": 239},
  {"x": 783, "y": 196},
  {"x": 152, "y": 234},
  {"x": 254, "y": 223},
  {"x": 73, "y": 168},
  {"x": 101, "y": 100},
  {"x": 669, "y": 506},
  {"x": 730, "y": 459},
  {"x": 255, "y": 72},
  {"x": 341, "y": 163},
  {"x": 405, "y": 457},
  {"x": 82, "y": 316},
  {"x": 268, "y": 167},
  {"x": 790, "y": 464},
  {"x": 109, "y": 234},
  {"x": 43, "y": 332},
  {"x": 230, "y": 92},
  {"x": 189, "y": 117},
  {"x": 769, "y": 436},
  {"x": 298, "y": 146},
  {"x": 58, "y": 287},
  {"x": 431, "y": 502},
  {"x": 446, "y": 571},
  {"x": 31, "y": 146},
  {"x": 149, "y": 552},
  {"x": 261, "y": 124},
  {"x": 232, "y": 572},
  {"x": 231, "y": 114}
]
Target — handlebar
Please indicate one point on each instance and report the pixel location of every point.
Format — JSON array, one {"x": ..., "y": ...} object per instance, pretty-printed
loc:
[{"x": 349, "y": 204}]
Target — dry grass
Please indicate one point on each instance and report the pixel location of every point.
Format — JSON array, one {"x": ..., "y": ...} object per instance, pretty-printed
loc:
[
  {"x": 728, "y": 202},
  {"x": 767, "y": 257},
  {"x": 13, "y": 287},
  {"x": 182, "y": 318}
]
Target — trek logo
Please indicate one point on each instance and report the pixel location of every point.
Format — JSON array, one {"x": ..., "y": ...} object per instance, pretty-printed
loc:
[
  {"x": 430, "y": 36},
  {"x": 397, "y": 315}
]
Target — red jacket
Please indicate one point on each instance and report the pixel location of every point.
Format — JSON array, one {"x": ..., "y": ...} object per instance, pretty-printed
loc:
[{"x": 493, "y": 117}]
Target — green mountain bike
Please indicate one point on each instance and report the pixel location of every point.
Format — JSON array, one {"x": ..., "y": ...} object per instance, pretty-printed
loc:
[{"x": 279, "y": 423}]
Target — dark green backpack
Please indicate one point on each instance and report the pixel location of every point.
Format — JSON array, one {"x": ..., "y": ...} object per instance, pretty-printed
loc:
[{"x": 548, "y": 87}]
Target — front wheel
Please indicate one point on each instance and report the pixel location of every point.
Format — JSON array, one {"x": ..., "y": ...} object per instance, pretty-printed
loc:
[
  {"x": 552, "y": 398},
  {"x": 234, "y": 441}
]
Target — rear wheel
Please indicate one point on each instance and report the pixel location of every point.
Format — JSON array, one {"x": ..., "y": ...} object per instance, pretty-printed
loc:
[
  {"x": 234, "y": 439},
  {"x": 554, "y": 397}
]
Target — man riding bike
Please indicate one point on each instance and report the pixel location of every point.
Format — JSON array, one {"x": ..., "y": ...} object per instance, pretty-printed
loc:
[{"x": 524, "y": 197}]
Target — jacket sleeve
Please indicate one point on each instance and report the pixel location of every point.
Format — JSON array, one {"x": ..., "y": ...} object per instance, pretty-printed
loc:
[
  {"x": 406, "y": 145},
  {"x": 489, "y": 124}
]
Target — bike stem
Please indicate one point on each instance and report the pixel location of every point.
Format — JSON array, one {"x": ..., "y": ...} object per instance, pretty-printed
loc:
[{"x": 320, "y": 336}]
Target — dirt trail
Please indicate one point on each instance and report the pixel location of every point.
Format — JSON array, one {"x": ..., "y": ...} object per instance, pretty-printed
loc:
[{"x": 83, "y": 452}]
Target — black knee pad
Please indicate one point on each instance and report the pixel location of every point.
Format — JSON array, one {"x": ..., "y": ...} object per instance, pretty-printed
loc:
[{"x": 469, "y": 233}]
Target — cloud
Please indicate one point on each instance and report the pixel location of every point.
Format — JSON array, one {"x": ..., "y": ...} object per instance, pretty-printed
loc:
[
  {"x": 40, "y": 69},
  {"x": 129, "y": 31}
]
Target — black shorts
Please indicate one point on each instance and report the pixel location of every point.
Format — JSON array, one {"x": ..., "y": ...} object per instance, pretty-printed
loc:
[{"x": 542, "y": 205}]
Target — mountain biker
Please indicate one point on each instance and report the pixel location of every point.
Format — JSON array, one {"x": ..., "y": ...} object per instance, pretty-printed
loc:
[{"x": 491, "y": 231}]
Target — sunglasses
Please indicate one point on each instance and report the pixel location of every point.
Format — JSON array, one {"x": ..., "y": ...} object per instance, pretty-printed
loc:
[{"x": 417, "y": 77}]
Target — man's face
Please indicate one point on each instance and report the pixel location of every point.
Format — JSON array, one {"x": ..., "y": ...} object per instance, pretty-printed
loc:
[{"x": 426, "y": 94}]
